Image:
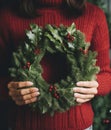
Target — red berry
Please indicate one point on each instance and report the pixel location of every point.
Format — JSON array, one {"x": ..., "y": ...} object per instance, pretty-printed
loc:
[
  {"x": 55, "y": 95},
  {"x": 28, "y": 63},
  {"x": 51, "y": 87},
  {"x": 106, "y": 121},
  {"x": 24, "y": 67},
  {"x": 37, "y": 51},
  {"x": 72, "y": 38},
  {"x": 50, "y": 90},
  {"x": 85, "y": 51},
  {"x": 68, "y": 36}
]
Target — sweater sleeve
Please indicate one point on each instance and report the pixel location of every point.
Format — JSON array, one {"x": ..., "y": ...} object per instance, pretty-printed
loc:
[
  {"x": 101, "y": 44},
  {"x": 3, "y": 76},
  {"x": 4, "y": 58}
]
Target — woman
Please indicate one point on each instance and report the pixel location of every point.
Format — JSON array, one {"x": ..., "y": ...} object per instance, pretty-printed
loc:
[{"x": 90, "y": 20}]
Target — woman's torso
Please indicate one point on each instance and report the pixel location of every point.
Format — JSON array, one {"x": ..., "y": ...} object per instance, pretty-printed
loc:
[{"x": 21, "y": 118}]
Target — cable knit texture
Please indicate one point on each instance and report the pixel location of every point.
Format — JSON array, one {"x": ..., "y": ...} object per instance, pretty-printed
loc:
[{"x": 12, "y": 31}]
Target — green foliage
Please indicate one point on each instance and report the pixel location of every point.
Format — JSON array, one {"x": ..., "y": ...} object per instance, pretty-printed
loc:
[
  {"x": 102, "y": 110},
  {"x": 65, "y": 41}
]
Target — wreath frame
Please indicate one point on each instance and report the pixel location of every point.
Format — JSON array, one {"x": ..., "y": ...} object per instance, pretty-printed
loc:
[{"x": 67, "y": 40}]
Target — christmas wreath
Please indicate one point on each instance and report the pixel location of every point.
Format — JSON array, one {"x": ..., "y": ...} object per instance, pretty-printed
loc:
[{"x": 64, "y": 40}]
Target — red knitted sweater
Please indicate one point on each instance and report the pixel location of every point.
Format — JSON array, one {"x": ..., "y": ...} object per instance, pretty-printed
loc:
[{"x": 12, "y": 29}]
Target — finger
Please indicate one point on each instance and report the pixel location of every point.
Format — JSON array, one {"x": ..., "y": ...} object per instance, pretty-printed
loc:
[
  {"x": 30, "y": 96},
  {"x": 85, "y": 90},
  {"x": 17, "y": 96},
  {"x": 26, "y": 97},
  {"x": 83, "y": 96},
  {"x": 27, "y": 91},
  {"x": 31, "y": 100},
  {"x": 87, "y": 83},
  {"x": 16, "y": 85},
  {"x": 18, "y": 102},
  {"x": 21, "y": 92},
  {"x": 79, "y": 100}
]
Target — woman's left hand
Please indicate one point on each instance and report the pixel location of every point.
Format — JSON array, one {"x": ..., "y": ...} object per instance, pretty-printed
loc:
[{"x": 85, "y": 91}]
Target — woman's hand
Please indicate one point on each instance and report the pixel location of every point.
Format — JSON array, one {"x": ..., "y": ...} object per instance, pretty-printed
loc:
[
  {"x": 22, "y": 92},
  {"x": 85, "y": 91}
]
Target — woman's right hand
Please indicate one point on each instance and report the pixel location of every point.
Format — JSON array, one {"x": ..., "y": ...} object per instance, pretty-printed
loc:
[{"x": 22, "y": 92}]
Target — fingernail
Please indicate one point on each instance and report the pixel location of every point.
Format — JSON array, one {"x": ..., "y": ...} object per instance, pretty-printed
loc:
[
  {"x": 38, "y": 93},
  {"x": 30, "y": 83},
  {"x": 75, "y": 95},
  {"x": 78, "y": 83},
  {"x": 74, "y": 89},
  {"x": 34, "y": 89}
]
